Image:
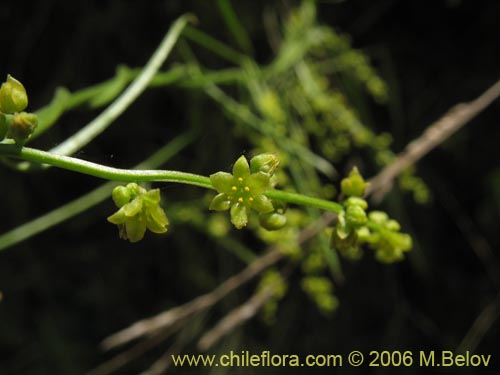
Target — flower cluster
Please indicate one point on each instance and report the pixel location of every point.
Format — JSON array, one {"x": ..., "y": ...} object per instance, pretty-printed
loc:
[
  {"x": 139, "y": 210},
  {"x": 244, "y": 190},
  {"x": 15, "y": 124},
  {"x": 354, "y": 227}
]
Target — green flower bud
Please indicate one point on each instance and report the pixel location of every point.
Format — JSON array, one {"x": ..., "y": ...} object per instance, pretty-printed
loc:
[
  {"x": 121, "y": 196},
  {"x": 389, "y": 255},
  {"x": 393, "y": 225},
  {"x": 378, "y": 217},
  {"x": 266, "y": 163},
  {"x": 354, "y": 184},
  {"x": 363, "y": 234},
  {"x": 272, "y": 220},
  {"x": 22, "y": 125},
  {"x": 13, "y": 97},
  {"x": 355, "y": 201},
  {"x": 355, "y": 216}
]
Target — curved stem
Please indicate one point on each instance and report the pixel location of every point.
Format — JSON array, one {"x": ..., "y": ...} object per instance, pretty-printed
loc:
[
  {"x": 101, "y": 122},
  {"x": 132, "y": 175},
  {"x": 102, "y": 171}
]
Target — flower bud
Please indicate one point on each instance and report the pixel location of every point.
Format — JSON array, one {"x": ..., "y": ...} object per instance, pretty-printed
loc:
[
  {"x": 266, "y": 163},
  {"x": 393, "y": 225},
  {"x": 272, "y": 220},
  {"x": 22, "y": 126},
  {"x": 378, "y": 217},
  {"x": 355, "y": 216},
  {"x": 355, "y": 201},
  {"x": 121, "y": 196},
  {"x": 354, "y": 185},
  {"x": 13, "y": 97}
]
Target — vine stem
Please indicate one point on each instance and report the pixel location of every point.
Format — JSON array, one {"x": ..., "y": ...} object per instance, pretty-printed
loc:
[
  {"x": 140, "y": 83},
  {"x": 136, "y": 175}
]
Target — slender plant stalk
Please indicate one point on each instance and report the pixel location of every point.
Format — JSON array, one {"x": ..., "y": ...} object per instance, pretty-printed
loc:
[
  {"x": 234, "y": 25},
  {"x": 90, "y": 199},
  {"x": 136, "y": 88},
  {"x": 102, "y": 171},
  {"x": 214, "y": 45},
  {"x": 132, "y": 175}
]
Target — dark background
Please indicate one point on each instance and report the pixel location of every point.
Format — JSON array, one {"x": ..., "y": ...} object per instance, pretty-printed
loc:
[{"x": 66, "y": 289}]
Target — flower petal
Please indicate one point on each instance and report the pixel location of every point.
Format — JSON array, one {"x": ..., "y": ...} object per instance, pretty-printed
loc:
[
  {"x": 133, "y": 208},
  {"x": 241, "y": 168},
  {"x": 222, "y": 182},
  {"x": 118, "y": 217},
  {"x": 239, "y": 215},
  {"x": 220, "y": 203},
  {"x": 158, "y": 215},
  {"x": 155, "y": 226},
  {"x": 262, "y": 204},
  {"x": 135, "y": 227},
  {"x": 259, "y": 182},
  {"x": 152, "y": 196}
]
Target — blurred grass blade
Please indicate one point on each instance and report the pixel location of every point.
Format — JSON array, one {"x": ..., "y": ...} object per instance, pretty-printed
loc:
[
  {"x": 49, "y": 114},
  {"x": 235, "y": 26},
  {"x": 214, "y": 45},
  {"x": 112, "y": 89}
]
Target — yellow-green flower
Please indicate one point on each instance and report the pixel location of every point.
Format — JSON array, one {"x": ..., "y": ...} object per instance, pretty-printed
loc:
[
  {"x": 241, "y": 191},
  {"x": 354, "y": 185},
  {"x": 139, "y": 210},
  {"x": 13, "y": 97}
]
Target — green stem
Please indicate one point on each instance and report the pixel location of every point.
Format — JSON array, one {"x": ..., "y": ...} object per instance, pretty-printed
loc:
[
  {"x": 101, "y": 122},
  {"x": 304, "y": 200},
  {"x": 85, "y": 202},
  {"x": 102, "y": 171},
  {"x": 132, "y": 175}
]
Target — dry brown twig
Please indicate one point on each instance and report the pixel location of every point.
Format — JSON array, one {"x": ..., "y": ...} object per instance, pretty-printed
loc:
[
  {"x": 242, "y": 313},
  {"x": 432, "y": 137}
]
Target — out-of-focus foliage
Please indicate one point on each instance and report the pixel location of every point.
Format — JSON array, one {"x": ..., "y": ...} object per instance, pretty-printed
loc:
[{"x": 308, "y": 93}]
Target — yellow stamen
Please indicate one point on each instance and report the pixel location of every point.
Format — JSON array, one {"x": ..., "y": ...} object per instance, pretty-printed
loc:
[
  {"x": 240, "y": 199},
  {"x": 234, "y": 188},
  {"x": 240, "y": 179},
  {"x": 250, "y": 199},
  {"x": 247, "y": 188}
]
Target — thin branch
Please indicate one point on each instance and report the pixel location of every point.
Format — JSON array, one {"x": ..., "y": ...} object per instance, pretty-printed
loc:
[
  {"x": 101, "y": 122},
  {"x": 197, "y": 305},
  {"x": 433, "y": 136},
  {"x": 129, "y": 355},
  {"x": 240, "y": 314},
  {"x": 236, "y": 317},
  {"x": 163, "y": 363},
  {"x": 480, "y": 327}
]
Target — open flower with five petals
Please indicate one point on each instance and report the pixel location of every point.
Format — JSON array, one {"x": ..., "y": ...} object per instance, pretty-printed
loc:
[{"x": 241, "y": 191}]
